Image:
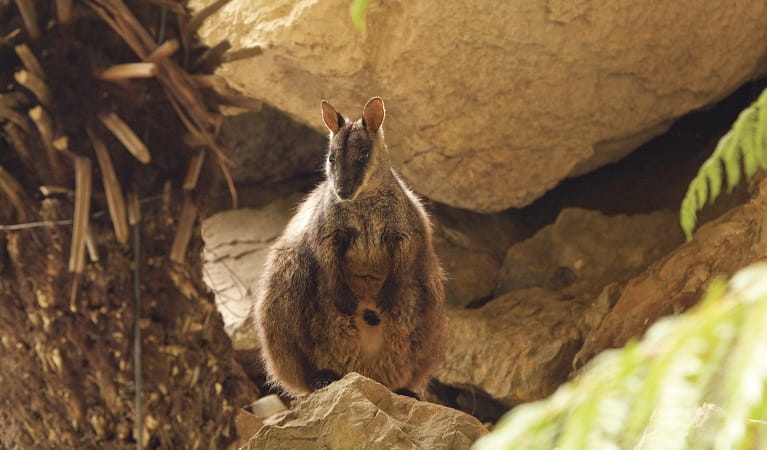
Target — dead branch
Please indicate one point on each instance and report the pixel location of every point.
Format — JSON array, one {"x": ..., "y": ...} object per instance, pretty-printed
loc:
[
  {"x": 203, "y": 14},
  {"x": 129, "y": 70},
  {"x": 29, "y": 60},
  {"x": 112, "y": 188},
  {"x": 64, "y": 11},
  {"x": 13, "y": 192},
  {"x": 36, "y": 85},
  {"x": 29, "y": 16},
  {"x": 45, "y": 127},
  {"x": 126, "y": 136},
  {"x": 184, "y": 231},
  {"x": 166, "y": 49},
  {"x": 193, "y": 172},
  {"x": 83, "y": 177}
]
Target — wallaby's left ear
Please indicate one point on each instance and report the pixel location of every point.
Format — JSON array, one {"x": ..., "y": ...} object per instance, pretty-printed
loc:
[
  {"x": 373, "y": 114},
  {"x": 332, "y": 119}
]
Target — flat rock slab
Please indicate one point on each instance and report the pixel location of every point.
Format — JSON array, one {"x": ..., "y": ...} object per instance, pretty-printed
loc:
[
  {"x": 236, "y": 245},
  {"x": 490, "y": 104},
  {"x": 356, "y": 412}
]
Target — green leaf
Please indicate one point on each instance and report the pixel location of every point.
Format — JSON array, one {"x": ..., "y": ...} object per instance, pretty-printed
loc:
[
  {"x": 746, "y": 144},
  {"x": 357, "y": 11}
]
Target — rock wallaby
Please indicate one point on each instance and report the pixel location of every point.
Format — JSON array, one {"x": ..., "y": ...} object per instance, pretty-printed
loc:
[{"x": 353, "y": 283}]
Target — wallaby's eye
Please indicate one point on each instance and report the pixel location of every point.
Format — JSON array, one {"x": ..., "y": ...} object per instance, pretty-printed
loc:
[
  {"x": 332, "y": 159},
  {"x": 363, "y": 157}
]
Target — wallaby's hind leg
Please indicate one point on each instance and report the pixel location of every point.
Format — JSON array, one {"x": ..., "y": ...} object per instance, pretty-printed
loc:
[{"x": 281, "y": 317}]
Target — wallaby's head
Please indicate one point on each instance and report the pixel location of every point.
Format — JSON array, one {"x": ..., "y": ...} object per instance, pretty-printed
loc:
[{"x": 356, "y": 151}]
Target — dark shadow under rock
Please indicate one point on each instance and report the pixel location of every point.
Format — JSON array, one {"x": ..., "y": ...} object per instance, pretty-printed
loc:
[
  {"x": 471, "y": 248},
  {"x": 267, "y": 146}
]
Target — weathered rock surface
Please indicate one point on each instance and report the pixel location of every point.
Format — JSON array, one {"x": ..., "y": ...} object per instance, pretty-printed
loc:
[
  {"x": 236, "y": 245},
  {"x": 589, "y": 246},
  {"x": 517, "y": 348},
  {"x": 490, "y": 104},
  {"x": 356, "y": 412},
  {"x": 558, "y": 285},
  {"x": 266, "y": 146},
  {"x": 471, "y": 248},
  {"x": 678, "y": 280}
]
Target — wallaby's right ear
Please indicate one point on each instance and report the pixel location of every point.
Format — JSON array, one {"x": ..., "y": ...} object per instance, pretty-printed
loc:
[{"x": 332, "y": 119}]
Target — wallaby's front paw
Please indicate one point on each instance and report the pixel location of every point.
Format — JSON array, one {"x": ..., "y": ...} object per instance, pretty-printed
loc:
[{"x": 323, "y": 378}]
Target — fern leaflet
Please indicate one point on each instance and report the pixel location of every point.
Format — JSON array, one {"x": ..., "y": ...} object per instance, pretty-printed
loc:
[{"x": 739, "y": 153}]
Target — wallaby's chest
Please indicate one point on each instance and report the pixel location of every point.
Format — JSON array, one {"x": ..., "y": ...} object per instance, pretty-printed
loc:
[{"x": 366, "y": 242}]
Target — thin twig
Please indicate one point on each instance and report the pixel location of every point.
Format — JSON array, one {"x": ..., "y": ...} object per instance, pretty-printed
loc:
[
  {"x": 15, "y": 117},
  {"x": 129, "y": 70},
  {"x": 202, "y": 15},
  {"x": 51, "y": 223},
  {"x": 18, "y": 141},
  {"x": 83, "y": 177},
  {"x": 166, "y": 49},
  {"x": 212, "y": 56},
  {"x": 29, "y": 60},
  {"x": 124, "y": 134},
  {"x": 184, "y": 231},
  {"x": 112, "y": 188},
  {"x": 135, "y": 219},
  {"x": 90, "y": 244},
  {"x": 36, "y": 85},
  {"x": 193, "y": 171},
  {"x": 243, "y": 53},
  {"x": 64, "y": 11},
  {"x": 47, "y": 190},
  {"x": 14, "y": 192},
  {"x": 45, "y": 127},
  {"x": 29, "y": 15}
]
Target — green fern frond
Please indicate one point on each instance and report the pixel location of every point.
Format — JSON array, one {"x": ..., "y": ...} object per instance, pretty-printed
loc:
[
  {"x": 649, "y": 394},
  {"x": 742, "y": 151}
]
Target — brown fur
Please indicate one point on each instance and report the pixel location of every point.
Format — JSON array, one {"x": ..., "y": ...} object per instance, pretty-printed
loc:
[{"x": 339, "y": 257}]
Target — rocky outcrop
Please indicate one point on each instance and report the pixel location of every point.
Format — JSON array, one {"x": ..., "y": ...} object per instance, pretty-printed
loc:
[
  {"x": 517, "y": 348},
  {"x": 491, "y": 104},
  {"x": 585, "y": 245},
  {"x": 471, "y": 249},
  {"x": 678, "y": 280},
  {"x": 556, "y": 287},
  {"x": 356, "y": 412}
]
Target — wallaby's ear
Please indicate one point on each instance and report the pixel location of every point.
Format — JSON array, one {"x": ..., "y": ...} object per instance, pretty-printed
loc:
[
  {"x": 373, "y": 114},
  {"x": 332, "y": 119}
]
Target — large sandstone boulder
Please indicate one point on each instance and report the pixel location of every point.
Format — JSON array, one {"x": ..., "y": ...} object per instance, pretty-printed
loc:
[
  {"x": 490, "y": 104},
  {"x": 356, "y": 412}
]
